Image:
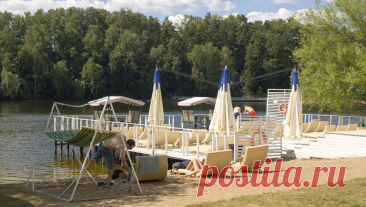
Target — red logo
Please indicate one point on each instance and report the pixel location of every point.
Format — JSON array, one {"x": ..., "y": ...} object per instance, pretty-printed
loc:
[{"x": 244, "y": 180}]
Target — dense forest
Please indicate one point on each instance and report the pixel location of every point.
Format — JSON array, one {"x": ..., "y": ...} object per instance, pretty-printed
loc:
[{"x": 78, "y": 54}]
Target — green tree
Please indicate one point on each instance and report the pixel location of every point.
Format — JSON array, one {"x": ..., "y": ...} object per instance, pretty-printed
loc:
[
  {"x": 92, "y": 76},
  {"x": 332, "y": 55},
  {"x": 61, "y": 81},
  {"x": 10, "y": 83},
  {"x": 205, "y": 60}
]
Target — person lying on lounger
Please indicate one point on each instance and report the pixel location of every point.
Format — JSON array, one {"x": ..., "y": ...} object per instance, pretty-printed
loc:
[
  {"x": 195, "y": 165},
  {"x": 105, "y": 150}
]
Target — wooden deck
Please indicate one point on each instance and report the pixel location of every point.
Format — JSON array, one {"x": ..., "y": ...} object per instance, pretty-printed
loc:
[
  {"x": 341, "y": 144},
  {"x": 172, "y": 153}
]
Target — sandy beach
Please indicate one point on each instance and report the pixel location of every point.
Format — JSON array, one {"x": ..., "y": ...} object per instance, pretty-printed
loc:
[{"x": 176, "y": 190}]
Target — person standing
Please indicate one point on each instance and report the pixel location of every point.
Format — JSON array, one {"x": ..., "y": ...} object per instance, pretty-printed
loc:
[
  {"x": 237, "y": 111},
  {"x": 105, "y": 150},
  {"x": 249, "y": 110}
]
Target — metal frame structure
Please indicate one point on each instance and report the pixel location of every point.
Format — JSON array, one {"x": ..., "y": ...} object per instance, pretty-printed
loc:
[{"x": 82, "y": 170}]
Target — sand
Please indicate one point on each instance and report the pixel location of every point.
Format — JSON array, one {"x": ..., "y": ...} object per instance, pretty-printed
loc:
[{"x": 176, "y": 190}]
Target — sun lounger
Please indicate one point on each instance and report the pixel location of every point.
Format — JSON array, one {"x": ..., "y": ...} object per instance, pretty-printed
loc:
[
  {"x": 208, "y": 138},
  {"x": 312, "y": 127},
  {"x": 352, "y": 127},
  {"x": 167, "y": 126},
  {"x": 360, "y": 128},
  {"x": 252, "y": 154},
  {"x": 341, "y": 128},
  {"x": 159, "y": 139},
  {"x": 161, "y": 175},
  {"x": 201, "y": 135},
  {"x": 329, "y": 128},
  {"x": 315, "y": 120},
  {"x": 143, "y": 135},
  {"x": 219, "y": 159},
  {"x": 131, "y": 132},
  {"x": 321, "y": 126},
  {"x": 304, "y": 126},
  {"x": 173, "y": 136},
  {"x": 124, "y": 130},
  {"x": 208, "y": 148}
]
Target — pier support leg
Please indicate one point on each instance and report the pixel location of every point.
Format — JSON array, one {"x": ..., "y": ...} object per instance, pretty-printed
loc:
[
  {"x": 55, "y": 144},
  {"x": 81, "y": 153},
  {"x": 67, "y": 149},
  {"x": 61, "y": 143}
]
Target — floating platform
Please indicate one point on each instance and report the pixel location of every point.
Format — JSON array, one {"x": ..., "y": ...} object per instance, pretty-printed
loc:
[{"x": 333, "y": 145}]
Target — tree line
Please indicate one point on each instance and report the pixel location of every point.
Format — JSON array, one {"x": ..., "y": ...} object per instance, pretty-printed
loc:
[{"x": 79, "y": 54}]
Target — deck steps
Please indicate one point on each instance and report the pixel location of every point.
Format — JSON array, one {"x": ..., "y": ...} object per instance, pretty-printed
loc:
[{"x": 334, "y": 145}]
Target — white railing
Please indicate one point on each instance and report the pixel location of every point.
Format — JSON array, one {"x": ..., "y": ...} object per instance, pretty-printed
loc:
[
  {"x": 335, "y": 119},
  {"x": 68, "y": 122},
  {"x": 258, "y": 131}
]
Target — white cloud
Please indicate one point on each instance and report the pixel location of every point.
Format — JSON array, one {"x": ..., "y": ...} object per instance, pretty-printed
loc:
[
  {"x": 284, "y": 1},
  {"x": 161, "y": 6},
  {"x": 177, "y": 19},
  {"x": 227, "y": 15},
  {"x": 281, "y": 14}
]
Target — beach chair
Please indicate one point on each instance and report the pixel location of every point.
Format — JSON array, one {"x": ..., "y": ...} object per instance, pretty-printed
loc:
[
  {"x": 341, "y": 128},
  {"x": 131, "y": 131},
  {"x": 329, "y": 128},
  {"x": 219, "y": 159},
  {"x": 208, "y": 138},
  {"x": 352, "y": 127},
  {"x": 143, "y": 135},
  {"x": 123, "y": 128},
  {"x": 208, "y": 148},
  {"x": 201, "y": 136},
  {"x": 304, "y": 126},
  {"x": 252, "y": 154},
  {"x": 321, "y": 126},
  {"x": 159, "y": 139},
  {"x": 133, "y": 117},
  {"x": 360, "y": 128},
  {"x": 161, "y": 175},
  {"x": 312, "y": 127},
  {"x": 168, "y": 126},
  {"x": 173, "y": 137}
]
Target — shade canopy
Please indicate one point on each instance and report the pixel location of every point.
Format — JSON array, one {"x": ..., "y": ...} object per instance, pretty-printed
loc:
[
  {"x": 113, "y": 99},
  {"x": 197, "y": 100},
  {"x": 156, "y": 111},
  {"x": 293, "y": 126},
  {"x": 223, "y": 116}
]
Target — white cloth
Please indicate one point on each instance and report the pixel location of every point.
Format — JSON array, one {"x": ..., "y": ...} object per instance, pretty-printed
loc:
[{"x": 293, "y": 123}]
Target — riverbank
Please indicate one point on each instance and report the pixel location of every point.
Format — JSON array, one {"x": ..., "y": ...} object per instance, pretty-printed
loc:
[{"x": 178, "y": 191}]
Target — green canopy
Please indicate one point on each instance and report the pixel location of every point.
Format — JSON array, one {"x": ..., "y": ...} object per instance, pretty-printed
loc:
[{"x": 81, "y": 138}]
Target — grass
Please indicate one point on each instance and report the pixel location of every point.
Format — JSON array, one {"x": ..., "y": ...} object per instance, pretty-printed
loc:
[
  {"x": 352, "y": 195},
  {"x": 19, "y": 196}
]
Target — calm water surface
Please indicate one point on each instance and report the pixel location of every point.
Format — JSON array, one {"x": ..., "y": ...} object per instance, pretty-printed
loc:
[{"x": 22, "y": 124}]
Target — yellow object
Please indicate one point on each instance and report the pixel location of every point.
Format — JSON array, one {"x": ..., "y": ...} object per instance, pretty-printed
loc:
[{"x": 161, "y": 175}]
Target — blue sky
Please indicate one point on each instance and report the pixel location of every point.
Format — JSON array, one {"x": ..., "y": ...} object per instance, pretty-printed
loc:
[{"x": 173, "y": 9}]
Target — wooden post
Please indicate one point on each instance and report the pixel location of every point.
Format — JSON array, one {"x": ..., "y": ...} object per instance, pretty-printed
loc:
[
  {"x": 55, "y": 144},
  {"x": 81, "y": 153},
  {"x": 61, "y": 143},
  {"x": 67, "y": 149}
]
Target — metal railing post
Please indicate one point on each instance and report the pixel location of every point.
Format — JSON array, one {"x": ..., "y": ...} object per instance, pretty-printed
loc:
[
  {"x": 198, "y": 144},
  {"x": 166, "y": 140}
]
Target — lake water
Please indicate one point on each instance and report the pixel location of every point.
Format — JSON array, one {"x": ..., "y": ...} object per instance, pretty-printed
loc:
[{"x": 22, "y": 124}]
